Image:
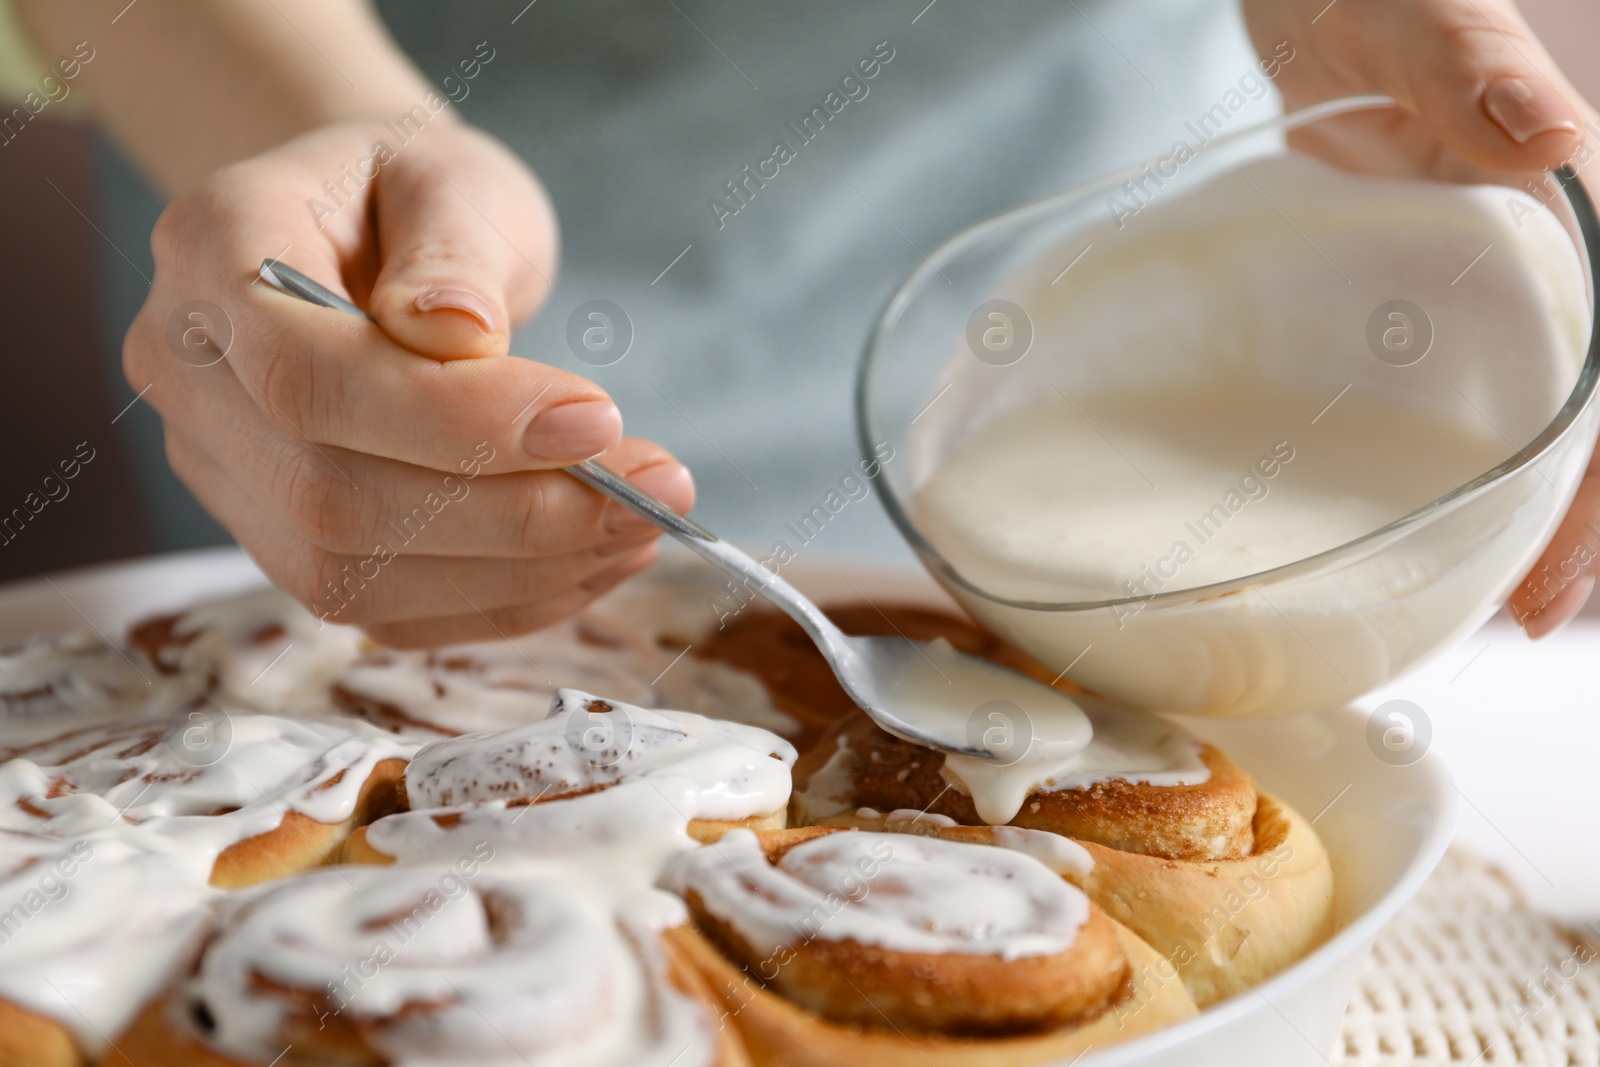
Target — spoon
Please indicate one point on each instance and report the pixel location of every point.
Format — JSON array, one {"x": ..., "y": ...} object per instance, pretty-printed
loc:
[{"x": 924, "y": 692}]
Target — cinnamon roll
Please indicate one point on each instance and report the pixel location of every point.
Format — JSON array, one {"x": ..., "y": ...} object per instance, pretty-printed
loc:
[
  {"x": 706, "y": 776},
  {"x": 835, "y": 947},
  {"x": 1227, "y": 882},
  {"x": 90, "y": 930},
  {"x": 258, "y": 796},
  {"x": 364, "y": 965},
  {"x": 52, "y": 679},
  {"x": 256, "y": 649},
  {"x": 497, "y": 685}
]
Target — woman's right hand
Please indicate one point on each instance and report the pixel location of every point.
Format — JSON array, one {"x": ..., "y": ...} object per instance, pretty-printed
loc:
[{"x": 402, "y": 476}]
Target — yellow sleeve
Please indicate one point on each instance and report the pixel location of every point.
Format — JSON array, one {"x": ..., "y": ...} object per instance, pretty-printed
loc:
[{"x": 21, "y": 67}]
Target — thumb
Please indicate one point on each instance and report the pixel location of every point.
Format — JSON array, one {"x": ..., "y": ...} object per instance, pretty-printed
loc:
[
  {"x": 1475, "y": 73},
  {"x": 467, "y": 245}
]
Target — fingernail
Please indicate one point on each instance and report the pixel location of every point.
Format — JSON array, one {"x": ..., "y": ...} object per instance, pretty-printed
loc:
[
  {"x": 454, "y": 298},
  {"x": 573, "y": 431},
  {"x": 1562, "y": 610},
  {"x": 1525, "y": 110},
  {"x": 664, "y": 481}
]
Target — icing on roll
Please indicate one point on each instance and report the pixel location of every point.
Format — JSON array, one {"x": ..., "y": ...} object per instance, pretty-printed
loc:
[
  {"x": 1061, "y": 854},
  {"x": 415, "y": 967},
  {"x": 892, "y": 891},
  {"x": 208, "y": 778},
  {"x": 721, "y": 770},
  {"x": 91, "y": 928},
  {"x": 256, "y": 649},
  {"x": 1126, "y": 746},
  {"x": 623, "y": 835},
  {"x": 497, "y": 685},
  {"x": 70, "y": 674}
]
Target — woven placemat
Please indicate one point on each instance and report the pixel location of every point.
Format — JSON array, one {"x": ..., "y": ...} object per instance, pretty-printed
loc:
[{"x": 1468, "y": 974}]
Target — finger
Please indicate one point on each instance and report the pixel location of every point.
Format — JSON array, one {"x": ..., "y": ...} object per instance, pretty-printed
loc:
[
  {"x": 466, "y": 251},
  {"x": 509, "y": 622},
  {"x": 1476, "y": 74},
  {"x": 350, "y": 502},
  {"x": 1560, "y": 583},
  {"x": 1562, "y": 610},
  {"x": 340, "y": 381},
  {"x": 336, "y": 379},
  {"x": 382, "y": 588}
]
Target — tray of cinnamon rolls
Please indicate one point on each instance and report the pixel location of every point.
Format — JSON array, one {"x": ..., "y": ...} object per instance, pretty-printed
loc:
[{"x": 231, "y": 835}]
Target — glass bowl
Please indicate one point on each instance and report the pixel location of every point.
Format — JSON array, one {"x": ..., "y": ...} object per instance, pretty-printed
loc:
[{"x": 1007, "y": 309}]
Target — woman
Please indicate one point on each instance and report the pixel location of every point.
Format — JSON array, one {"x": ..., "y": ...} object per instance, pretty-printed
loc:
[{"x": 739, "y": 185}]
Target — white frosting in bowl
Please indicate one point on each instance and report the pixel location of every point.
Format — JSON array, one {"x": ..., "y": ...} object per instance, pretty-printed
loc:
[{"x": 1274, "y": 365}]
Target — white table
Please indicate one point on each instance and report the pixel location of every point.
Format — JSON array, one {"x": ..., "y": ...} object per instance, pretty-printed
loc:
[{"x": 1518, "y": 722}]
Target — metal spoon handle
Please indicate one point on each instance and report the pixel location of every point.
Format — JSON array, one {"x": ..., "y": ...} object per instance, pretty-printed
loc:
[
  {"x": 732, "y": 561},
  {"x": 739, "y": 565},
  {"x": 608, "y": 482}
]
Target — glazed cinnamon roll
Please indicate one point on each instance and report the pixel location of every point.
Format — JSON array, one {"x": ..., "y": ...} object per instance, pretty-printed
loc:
[
  {"x": 1142, "y": 784},
  {"x": 90, "y": 931},
  {"x": 1227, "y": 882},
  {"x": 498, "y": 685},
  {"x": 258, "y": 796},
  {"x": 48, "y": 681},
  {"x": 363, "y": 965},
  {"x": 256, "y": 649},
  {"x": 833, "y": 947},
  {"x": 706, "y": 777}
]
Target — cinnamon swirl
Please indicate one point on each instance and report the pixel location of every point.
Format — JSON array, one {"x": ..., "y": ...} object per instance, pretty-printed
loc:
[
  {"x": 89, "y": 931},
  {"x": 501, "y": 684},
  {"x": 409, "y": 966},
  {"x": 835, "y": 946},
  {"x": 708, "y": 775},
  {"x": 256, "y": 649},
  {"x": 259, "y": 796},
  {"x": 52, "y": 679},
  {"x": 1226, "y": 881}
]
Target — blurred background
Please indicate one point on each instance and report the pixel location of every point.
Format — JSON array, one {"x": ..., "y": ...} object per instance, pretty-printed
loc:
[{"x": 63, "y": 330}]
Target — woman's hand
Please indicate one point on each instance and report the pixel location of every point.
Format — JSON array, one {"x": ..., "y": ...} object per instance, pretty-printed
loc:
[
  {"x": 1476, "y": 88},
  {"x": 1478, "y": 93},
  {"x": 402, "y": 475}
]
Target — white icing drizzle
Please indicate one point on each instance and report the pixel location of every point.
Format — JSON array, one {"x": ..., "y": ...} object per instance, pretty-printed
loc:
[
  {"x": 90, "y": 928},
  {"x": 1061, "y": 854},
  {"x": 260, "y": 649},
  {"x": 910, "y": 820},
  {"x": 725, "y": 770},
  {"x": 679, "y": 602},
  {"x": 619, "y": 836},
  {"x": 497, "y": 685},
  {"x": 1029, "y": 731},
  {"x": 232, "y": 781},
  {"x": 1127, "y": 746},
  {"x": 828, "y": 791},
  {"x": 435, "y": 971},
  {"x": 895, "y": 891},
  {"x": 56, "y": 675}
]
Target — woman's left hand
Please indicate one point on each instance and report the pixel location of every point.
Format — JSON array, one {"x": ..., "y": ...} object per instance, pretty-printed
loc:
[{"x": 1478, "y": 93}]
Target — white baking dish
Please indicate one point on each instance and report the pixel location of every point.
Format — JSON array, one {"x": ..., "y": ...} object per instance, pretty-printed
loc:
[{"x": 1385, "y": 826}]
